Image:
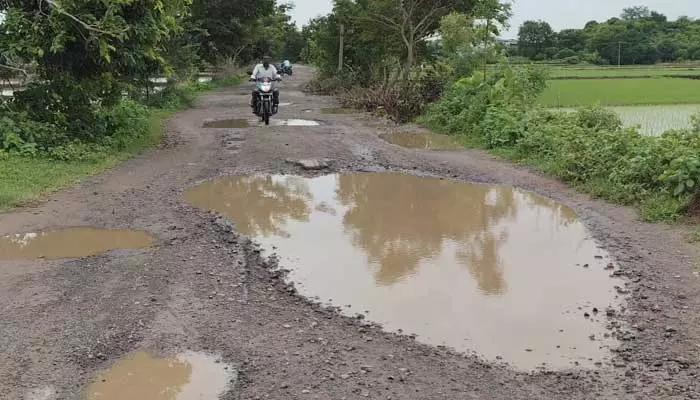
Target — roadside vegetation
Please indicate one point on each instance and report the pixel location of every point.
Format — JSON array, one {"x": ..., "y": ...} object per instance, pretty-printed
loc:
[
  {"x": 90, "y": 100},
  {"x": 489, "y": 95}
]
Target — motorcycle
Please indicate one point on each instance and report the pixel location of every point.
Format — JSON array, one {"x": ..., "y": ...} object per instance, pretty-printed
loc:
[
  {"x": 285, "y": 70},
  {"x": 264, "y": 108}
]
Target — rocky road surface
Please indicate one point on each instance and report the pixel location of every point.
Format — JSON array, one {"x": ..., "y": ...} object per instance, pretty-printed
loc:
[{"x": 205, "y": 289}]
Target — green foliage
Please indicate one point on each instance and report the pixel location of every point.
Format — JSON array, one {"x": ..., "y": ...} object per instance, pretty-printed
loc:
[
  {"x": 588, "y": 147},
  {"x": 467, "y": 45},
  {"x": 640, "y": 36},
  {"x": 381, "y": 37},
  {"x": 534, "y": 38}
]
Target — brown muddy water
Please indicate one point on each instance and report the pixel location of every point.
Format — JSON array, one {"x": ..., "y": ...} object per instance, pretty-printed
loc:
[
  {"x": 430, "y": 141},
  {"x": 504, "y": 273},
  {"x": 188, "y": 376},
  {"x": 227, "y": 124},
  {"x": 70, "y": 243}
]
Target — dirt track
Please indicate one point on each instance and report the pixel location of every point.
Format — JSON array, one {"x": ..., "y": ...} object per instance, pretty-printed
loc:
[{"x": 202, "y": 289}]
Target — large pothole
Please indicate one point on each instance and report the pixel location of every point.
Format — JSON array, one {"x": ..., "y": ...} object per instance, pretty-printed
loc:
[
  {"x": 510, "y": 275},
  {"x": 70, "y": 243}
]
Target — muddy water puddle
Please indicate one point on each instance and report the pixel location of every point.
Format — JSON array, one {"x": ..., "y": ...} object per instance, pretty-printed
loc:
[
  {"x": 227, "y": 124},
  {"x": 70, "y": 243},
  {"x": 430, "y": 141},
  {"x": 188, "y": 376},
  {"x": 507, "y": 274}
]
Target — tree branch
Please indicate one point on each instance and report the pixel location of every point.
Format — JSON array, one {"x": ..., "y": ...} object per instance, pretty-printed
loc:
[
  {"x": 423, "y": 24},
  {"x": 82, "y": 23},
  {"x": 11, "y": 68}
]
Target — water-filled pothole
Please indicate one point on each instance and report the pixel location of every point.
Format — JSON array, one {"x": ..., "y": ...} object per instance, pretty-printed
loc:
[
  {"x": 188, "y": 376},
  {"x": 227, "y": 124},
  {"x": 508, "y": 274},
  {"x": 412, "y": 140},
  {"x": 70, "y": 243},
  {"x": 296, "y": 122}
]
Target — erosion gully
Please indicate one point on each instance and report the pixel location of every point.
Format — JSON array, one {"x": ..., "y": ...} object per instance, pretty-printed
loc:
[{"x": 314, "y": 259}]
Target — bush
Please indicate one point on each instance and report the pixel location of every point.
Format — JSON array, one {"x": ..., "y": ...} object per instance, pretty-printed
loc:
[
  {"x": 400, "y": 98},
  {"x": 588, "y": 147},
  {"x": 115, "y": 127},
  {"x": 564, "y": 54}
]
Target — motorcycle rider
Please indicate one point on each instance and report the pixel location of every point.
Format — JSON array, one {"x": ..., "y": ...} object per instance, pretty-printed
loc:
[{"x": 265, "y": 70}]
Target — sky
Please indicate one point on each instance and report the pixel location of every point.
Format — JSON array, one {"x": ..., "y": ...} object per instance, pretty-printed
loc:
[{"x": 561, "y": 14}]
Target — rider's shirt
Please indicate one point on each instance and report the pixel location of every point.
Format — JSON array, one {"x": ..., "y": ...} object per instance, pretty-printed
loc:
[{"x": 261, "y": 72}]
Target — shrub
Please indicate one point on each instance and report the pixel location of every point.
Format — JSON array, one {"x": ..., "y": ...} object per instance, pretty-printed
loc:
[
  {"x": 564, "y": 54},
  {"x": 588, "y": 147},
  {"x": 401, "y": 97}
]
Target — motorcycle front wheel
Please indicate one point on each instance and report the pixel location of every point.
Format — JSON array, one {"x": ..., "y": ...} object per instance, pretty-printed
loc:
[{"x": 266, "y": 113}]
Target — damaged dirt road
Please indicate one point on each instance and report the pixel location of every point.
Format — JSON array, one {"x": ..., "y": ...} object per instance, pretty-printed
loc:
[{"x": 203, "y": 288}]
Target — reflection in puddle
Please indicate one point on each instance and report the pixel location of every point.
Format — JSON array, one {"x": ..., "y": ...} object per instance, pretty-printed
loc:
[
  {"x": 474, "y": 267},
  {"x": 227, "y": 124},
  {"x": 189, "y": 376},
  {"x": 70, "y": 243},
  {"x": 430, "y": 141}
]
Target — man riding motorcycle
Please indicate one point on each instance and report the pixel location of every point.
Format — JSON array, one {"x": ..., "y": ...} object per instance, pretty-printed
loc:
[
  {"x": 286, "y": 67},
  {"x": 265, "y": 70}
]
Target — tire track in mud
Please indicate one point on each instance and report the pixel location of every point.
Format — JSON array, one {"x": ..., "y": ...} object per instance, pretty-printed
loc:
[{"x": 206, "y": 288}]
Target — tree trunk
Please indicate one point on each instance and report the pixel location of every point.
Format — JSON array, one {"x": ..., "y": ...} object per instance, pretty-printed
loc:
[{"x": 410, "y": 57}]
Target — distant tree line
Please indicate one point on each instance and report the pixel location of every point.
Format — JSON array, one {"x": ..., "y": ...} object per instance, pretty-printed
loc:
[{"x": 638, "y": 36}]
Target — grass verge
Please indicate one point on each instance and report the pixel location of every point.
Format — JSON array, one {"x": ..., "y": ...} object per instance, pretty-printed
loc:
[
  {"x": 25, "y": 180},
  {"x": 620, "y": 92}
]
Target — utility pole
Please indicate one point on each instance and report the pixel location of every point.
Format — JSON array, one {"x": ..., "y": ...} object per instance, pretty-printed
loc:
[
  {"x": 619, "y": 54},
  {"x": 340, "y": 50}
]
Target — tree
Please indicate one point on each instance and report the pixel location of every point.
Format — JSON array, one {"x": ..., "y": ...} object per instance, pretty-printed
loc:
[
  {"x": 573, "y": 39},
  {"x": 534, "y": 37},
  {"x": 86, "y": 53},
  {"x": 466, "y": 44},
  {"x": 225, "y": 28},
  {"x": 590, "y": 25},
  {"x": 635, "y": 13},
  {"x": 412, "y": 21}
]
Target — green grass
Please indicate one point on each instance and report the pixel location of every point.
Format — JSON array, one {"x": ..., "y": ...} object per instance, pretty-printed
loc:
[
  {"x": 28, "y": 180},
  {"x": 621, "y": 92},
  {"x": 622, "y": 72},
  {"x": 25, "y": 181}
]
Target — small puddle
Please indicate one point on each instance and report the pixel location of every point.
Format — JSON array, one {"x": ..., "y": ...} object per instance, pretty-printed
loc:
[
  {"x": 227, "y": 124},
  {"x": 188, "y": 376},
  {"x": 338, "y": 111},
  {"x": 474, "y": 267},
  {"x": 70, "y": 243},
  {"x": 296, "y": 122},
  {"x": 429, "y": 141}
]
